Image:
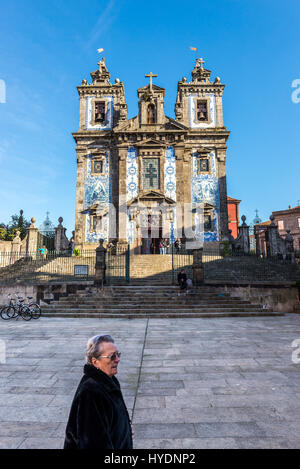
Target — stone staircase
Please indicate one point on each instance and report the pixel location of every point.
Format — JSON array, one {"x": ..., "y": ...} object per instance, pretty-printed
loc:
[
  {"x": 155, "y": 269},
  {"x": 152, "y": 302}
]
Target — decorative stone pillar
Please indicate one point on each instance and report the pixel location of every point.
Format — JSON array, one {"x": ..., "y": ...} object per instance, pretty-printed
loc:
[
  {"x": 242, "y": 243},
  {"x": 289, "y": 247},
  {"x": 122, "y": 206},
  {"x": 198, "y": 274},
  {"x": 183, "y": 185},
  {"x": 100, "y": 265},
  {"x": 16, "y": 243},
  {"x": 219, "y": 110},
  {"x": 275, "y": 244},
  {"x": 221, "y": 165},
  {"x": 31, "y": 241},
  {"x": 61, "y": 242},
  {"x": 79, "y": 216}
]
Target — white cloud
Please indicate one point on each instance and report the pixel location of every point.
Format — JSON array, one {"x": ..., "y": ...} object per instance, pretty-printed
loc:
[{"x": 103, "y": 24}]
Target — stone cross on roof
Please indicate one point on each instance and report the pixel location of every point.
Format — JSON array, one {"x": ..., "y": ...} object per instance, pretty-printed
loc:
[
  {"x": 201, "y": 62},
  {"x": 150, "y": 75}
]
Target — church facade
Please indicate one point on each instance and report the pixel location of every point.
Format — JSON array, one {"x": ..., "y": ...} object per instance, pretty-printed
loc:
[{"x": 141, "y": 180}]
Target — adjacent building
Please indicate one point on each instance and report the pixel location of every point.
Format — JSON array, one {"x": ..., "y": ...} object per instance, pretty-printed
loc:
[
  {"x": 285, "y": 220},
  {"x": 233, "y": 215}
]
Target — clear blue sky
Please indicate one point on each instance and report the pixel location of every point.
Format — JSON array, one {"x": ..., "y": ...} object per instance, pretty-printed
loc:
[{"x": 47, "y": 48}]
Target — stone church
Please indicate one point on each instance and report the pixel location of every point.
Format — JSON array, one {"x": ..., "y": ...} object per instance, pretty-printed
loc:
[{"x": 135, "y": 177}]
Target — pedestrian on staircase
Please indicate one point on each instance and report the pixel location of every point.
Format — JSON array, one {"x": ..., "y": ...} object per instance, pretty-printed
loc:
[
  {"x": 161, "y": 247},
  {"x": 182, "y": 278},
  {"x": 98, "y": 417},
  {"x": 43, "y": 250}
]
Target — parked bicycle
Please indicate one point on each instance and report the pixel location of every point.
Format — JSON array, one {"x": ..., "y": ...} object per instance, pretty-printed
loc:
[{"x": 17, "y": 307}]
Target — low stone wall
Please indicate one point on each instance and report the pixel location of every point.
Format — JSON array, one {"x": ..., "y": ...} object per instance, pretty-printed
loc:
[
  {"x": 42, "y": 293},
  {"x": 282, "y": 297},
  {"x": 23, "y": 290}
]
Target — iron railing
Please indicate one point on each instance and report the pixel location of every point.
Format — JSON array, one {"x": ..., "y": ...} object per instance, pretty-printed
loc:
[
  {"x": 181, "y": 259},
  {"x": 117, "y": 262},
  {"x": 63, "y": 267},
  {"x": 237, "y": 266},
  {"x": 52, "y": 266}
]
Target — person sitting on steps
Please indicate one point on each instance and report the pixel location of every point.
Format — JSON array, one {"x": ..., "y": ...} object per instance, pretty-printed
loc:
[{"x": 182, "y": 278}]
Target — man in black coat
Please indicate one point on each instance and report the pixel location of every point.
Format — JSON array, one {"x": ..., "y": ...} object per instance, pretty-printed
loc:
[
  {"x": 98, "y": 416},
  {"x": 182, "y": 278}
]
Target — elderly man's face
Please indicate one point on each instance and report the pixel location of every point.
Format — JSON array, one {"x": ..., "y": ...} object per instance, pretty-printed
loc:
[{"x": 108, "y": 366}]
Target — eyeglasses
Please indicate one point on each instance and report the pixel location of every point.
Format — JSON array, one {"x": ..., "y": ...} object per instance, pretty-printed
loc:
[{"x": 112, "y": 357}]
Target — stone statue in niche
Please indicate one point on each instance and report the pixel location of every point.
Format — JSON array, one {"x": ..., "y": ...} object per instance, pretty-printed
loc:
[{"x": 151, "y": 114}]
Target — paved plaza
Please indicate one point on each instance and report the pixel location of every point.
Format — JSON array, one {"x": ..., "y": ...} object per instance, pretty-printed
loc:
[{"x": 188, "y": 383}]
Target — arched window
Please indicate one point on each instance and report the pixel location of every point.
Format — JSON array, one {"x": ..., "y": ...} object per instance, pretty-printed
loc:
[{"x": 151, "y": 114}]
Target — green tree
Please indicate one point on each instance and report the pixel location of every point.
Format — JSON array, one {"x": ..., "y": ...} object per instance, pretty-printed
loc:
[
  {"x": 17, "y": 223},
  {"x": 3, "y": 231}
]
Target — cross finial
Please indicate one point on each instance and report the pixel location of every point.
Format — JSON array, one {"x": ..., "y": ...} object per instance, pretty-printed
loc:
[
  {"x": 150, "y": 75},
  {"x": 201, "y": 62}
]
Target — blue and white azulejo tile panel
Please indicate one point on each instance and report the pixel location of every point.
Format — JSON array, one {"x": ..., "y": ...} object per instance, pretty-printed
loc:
[
  {"x": 170, "y": 174},
  {"x": 192, "y": 112},
  {"x": 132, "y": 175},
  {"x": 109, "y": 114},
  {"x": 205, "y": 189},
  {"x": 97, "y": 189}
]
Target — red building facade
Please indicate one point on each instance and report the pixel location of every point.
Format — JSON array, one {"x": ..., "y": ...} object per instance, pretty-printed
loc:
[{"x": 233, "y": 215}]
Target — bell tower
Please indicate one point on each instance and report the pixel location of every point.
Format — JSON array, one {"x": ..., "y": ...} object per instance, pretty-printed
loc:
[
  {"x": 199, "y": 102},
  {"x": 102, "y": 108},
  {"x": 199, "y": 107},
  {"x": 151, "y": 103}
]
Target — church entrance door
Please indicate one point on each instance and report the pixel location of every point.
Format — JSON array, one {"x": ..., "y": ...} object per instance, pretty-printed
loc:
[{"x": 152, "y": 235}]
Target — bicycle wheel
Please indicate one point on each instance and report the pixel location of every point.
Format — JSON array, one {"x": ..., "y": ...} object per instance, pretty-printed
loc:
[
  {"x": 26, "y": 314},
  {"x": 8, "y": 312},
  {"x": 35, "y": 310}
]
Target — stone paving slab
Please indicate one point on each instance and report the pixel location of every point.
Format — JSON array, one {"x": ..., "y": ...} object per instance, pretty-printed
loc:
[{"x": 188, "y": 383}]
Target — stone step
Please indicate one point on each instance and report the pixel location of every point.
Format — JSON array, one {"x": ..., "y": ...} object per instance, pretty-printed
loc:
[
  {"x": 143, "y": 302},
  {"x": 149, "y": 310},
  {"x": 132, "y": 302},
  {"x": 153, "y": 297},
  {"x": 163, "y": 315},
  {"x": 142, "y": 308}
]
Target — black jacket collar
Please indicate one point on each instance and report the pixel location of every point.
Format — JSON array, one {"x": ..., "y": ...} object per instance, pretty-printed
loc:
[{"x": 111, "y": 384}]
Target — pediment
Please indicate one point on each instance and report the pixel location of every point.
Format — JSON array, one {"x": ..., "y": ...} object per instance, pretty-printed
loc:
[
  {"x": 154, "y": 87},
  {"x": 97, "y": 208},
  {"x": 150, "y": 142},
  {"x": 201, "y": 149},
  {"x": 208, "y": 206},
  {"x": 152, "y": 195}
]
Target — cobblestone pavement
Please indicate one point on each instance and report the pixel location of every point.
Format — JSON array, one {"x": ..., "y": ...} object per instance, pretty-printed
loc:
[{"x": 188, "y": 383}]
